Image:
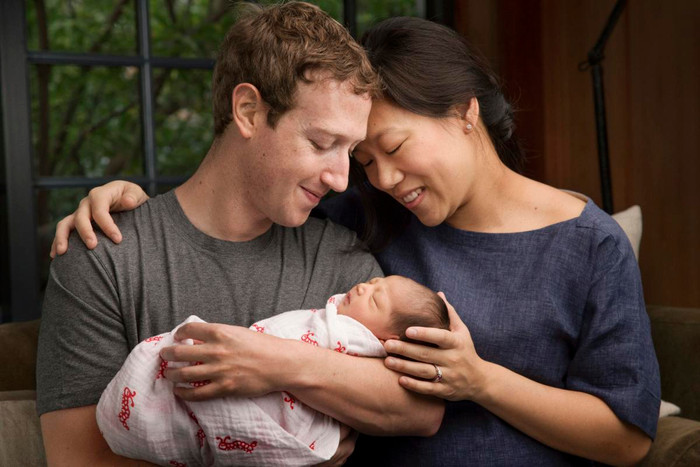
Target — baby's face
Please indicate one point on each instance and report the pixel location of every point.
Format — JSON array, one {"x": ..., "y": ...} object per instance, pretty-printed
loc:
[{"x": 372, "y": 303}]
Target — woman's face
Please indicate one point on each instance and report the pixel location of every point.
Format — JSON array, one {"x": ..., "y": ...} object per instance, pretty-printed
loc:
[{"x": 425, "y": 164}]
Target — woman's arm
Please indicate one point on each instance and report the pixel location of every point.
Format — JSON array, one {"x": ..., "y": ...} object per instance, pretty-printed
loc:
[
  {"x": 570, "y": 421},
  {"x": 111, "y": 197},
  {"x": 360, "y": 392}
]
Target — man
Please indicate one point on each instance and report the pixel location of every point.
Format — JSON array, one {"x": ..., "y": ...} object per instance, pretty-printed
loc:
[{"x": 233, "y": 245}]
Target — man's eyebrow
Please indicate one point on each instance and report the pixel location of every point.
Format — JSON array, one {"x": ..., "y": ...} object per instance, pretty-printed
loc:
[{"x": 323, "y": 131}]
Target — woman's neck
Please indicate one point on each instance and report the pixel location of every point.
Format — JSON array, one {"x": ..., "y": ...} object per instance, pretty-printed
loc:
[{"x": 504, "y": 201}]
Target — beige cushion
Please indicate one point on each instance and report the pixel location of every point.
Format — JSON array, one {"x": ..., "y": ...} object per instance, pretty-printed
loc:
[
  {"x": 631, "y": 222},
  {"x": 20, "y": 432}
]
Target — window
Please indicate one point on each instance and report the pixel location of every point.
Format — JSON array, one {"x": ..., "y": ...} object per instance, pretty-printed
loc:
[{"x": 94, "y": 90}]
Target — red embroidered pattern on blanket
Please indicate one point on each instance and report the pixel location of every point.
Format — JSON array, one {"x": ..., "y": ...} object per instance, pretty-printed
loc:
[
  {"x": 226, "y": 445},
  {"x": 163, "y": 366},
  {"x": 308, "y": 338},
  {"x": 154, "y": 339},
  {"x": 127, "y": 396},
  {"x": 200, "y": 433},
  {"x": 291, "y": 400}
]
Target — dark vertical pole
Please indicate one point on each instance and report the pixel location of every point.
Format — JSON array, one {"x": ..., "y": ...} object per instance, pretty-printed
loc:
[
  {"x": 595, "y": 57},
  {"x": 147, "y": 104},
  {"x": 350, "y": 16},
  {"x": 602, "y": 137},
  {"x": 21, "y": 223},
  {"x": 440, "y": 11}
]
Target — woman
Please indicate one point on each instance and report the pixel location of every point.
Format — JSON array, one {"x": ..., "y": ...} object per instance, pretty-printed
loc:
[{"x": 552, "y": 362}]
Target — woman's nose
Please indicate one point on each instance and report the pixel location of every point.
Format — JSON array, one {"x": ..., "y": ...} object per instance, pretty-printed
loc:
[{"x": 388, "y": 176}]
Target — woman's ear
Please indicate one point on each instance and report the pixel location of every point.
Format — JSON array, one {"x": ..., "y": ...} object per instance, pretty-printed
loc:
[
  {"x": 468, "y": 114},
  {"x": 246, "y": 104},
  {"x": 472, "y": 114}
]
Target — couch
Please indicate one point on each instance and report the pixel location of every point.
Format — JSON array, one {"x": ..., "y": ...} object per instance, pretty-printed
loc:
[{"x": 676, "y": 333}]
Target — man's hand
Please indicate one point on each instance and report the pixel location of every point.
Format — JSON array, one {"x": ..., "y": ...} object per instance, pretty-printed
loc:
[{"x": 234, "y": 362}]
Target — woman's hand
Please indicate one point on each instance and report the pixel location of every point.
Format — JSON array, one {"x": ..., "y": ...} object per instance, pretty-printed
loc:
[
  {"x": 111, "y": 197},
  {"x": 463, "y": 371},
  {"x": 231, "y": 361}
]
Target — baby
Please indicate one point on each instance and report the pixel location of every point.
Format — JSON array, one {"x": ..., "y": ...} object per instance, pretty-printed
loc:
[{"x": 140, "y": 417}]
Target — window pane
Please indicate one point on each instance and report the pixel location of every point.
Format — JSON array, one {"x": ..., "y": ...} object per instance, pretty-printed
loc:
[
  {"x": 52, "y": 206},
  {"x": 371, "y": 11},
  {"x": 183, "y": 28},
  {"x": 94, "y": 26},
  {"x": 85, "y": 121},
  {"x": 184, "y": 123},
  {"x": 332, "y": 7}
]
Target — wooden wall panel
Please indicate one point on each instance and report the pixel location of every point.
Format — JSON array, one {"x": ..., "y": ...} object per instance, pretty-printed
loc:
[
  {"x": 664, "y": 158},
  {"x": 651, "y": 75}
]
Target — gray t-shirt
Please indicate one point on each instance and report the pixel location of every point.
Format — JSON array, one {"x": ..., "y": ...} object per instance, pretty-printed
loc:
[{"x": 99, "y": 304}]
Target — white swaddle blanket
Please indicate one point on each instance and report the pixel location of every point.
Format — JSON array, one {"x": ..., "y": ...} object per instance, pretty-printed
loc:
[{"x": 140, "y": 417}]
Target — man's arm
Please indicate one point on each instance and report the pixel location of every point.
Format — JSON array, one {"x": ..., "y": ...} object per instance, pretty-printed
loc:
[
  {"x": 360, "y": 392},
  {"x": 71, "y": 437},
  {"x": 81, "y": 344}
]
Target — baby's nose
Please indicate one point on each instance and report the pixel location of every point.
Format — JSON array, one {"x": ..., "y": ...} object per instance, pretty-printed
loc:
[{"x": 361, "y": 288}]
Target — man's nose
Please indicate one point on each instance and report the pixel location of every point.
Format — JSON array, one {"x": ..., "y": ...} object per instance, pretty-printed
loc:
[{"x": 335, "y": 174}]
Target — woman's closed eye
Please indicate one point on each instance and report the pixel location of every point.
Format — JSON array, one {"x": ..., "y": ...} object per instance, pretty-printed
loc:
[{"x": 395, "y": 149}]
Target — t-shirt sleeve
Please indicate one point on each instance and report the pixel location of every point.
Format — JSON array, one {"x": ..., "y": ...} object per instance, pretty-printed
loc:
[
  {"x": 615, "y": 358},
  {"x": 82, "y": 342}
]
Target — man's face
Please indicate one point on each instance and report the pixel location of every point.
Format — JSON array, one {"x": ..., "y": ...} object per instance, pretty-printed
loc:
[{"x": 292, "y": 166}]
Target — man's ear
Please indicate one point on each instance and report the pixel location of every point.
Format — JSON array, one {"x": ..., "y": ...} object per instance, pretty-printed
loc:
[{"x": 246, "y": 105}]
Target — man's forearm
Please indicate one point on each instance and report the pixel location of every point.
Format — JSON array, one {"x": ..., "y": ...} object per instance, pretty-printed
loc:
[{"x": 360, "y": 392}]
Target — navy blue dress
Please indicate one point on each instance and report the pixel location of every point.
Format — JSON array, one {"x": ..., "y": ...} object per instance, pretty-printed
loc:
[{"x": 562, "y": 305}]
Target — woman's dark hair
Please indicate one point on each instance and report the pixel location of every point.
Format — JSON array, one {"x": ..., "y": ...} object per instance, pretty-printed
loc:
[{"x": 427, "y": 69}]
